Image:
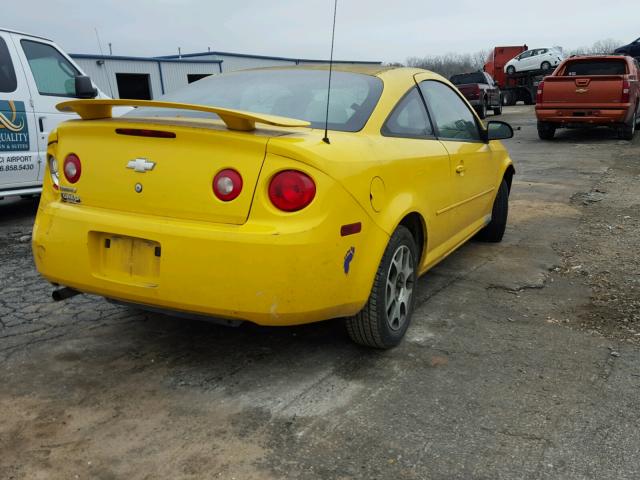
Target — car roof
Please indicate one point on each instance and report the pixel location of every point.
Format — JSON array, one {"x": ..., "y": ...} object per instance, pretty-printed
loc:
[
  {"x": 598, "y": 57},
  {"x": 2, "y": 29}
]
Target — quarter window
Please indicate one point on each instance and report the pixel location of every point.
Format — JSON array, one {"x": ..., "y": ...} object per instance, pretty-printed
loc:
[
  {"x": 8, "y": 81},
  {"x": 451, "y": 116},
  {"x": 409, "y": 118},
  {"x": 53, "y": 73}
]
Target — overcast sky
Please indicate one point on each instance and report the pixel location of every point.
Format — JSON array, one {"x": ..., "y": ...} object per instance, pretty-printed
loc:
[{"x": 386, "y": 30}]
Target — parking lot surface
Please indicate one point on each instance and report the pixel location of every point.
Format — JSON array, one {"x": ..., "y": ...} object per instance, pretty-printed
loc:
[{"x": 522, "y": 361}]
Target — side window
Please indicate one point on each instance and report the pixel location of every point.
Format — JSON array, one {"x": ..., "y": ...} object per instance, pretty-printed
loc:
[
  {"x": 8, "y": 82},
  {"x": 409, "y": 118},
  {"x": 544, "y": 50},
  {"x": 526, "y": 54},
  {"x": 453, "y": 119},
  {"x": 53, "y": 73}
]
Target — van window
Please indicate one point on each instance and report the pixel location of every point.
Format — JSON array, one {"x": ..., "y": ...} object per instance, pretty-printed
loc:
[
  {"x": 53, "y": 73},
  {"x": 8, "y": 81}
]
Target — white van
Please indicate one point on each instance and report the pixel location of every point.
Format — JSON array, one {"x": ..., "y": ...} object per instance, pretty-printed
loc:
[{"x": 35, "y": 75}]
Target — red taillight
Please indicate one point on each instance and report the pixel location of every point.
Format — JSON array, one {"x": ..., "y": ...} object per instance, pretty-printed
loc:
[
  {"x": 227, "y": 185},
  {"x": 626, "y": 96},
  {"x": 72, "y": 168},
  {"x": 291, "y": 190},
  {"x": 539, "y": 92}
]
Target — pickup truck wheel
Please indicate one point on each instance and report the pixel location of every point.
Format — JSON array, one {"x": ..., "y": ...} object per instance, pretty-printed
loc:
[
  {"x": 385, "y": 318},
  {"x": 511, "y": 70},
  {"x": 498, "y": 110},
  {"x": 494, "y": 231},
  {"x": 482, "y": 109},
  {"x": 546, "y": 131},
  {"x": 627, "y": 131},
  {"x": 545, "y": 66}
]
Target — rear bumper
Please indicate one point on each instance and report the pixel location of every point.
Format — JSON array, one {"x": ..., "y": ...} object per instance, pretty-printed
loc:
[
  {"x": 252, "y": 272},
  {"x": 586, "y": 115}
]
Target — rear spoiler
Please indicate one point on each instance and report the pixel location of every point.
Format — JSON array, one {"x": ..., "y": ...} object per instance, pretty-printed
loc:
[{"x": 234, "y": 119}]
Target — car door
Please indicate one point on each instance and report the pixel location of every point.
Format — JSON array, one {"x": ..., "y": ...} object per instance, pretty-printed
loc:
[
  {"x": 51, "y": 77},
  {"x": 19, "y": 158},
  {"x": 419, "y": 167},
  {"x": 474, "y": 165},
  {"x": 532, "y": 62},
  {"x": 521, "y": 63}
]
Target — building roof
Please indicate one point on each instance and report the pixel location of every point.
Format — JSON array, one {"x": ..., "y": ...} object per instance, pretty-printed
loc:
[
  {"x": 139, "y": 59},
  {"x": 264, "y": 57}
]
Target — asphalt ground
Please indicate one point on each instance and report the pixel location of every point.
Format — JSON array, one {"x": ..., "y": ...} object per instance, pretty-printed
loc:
[{"x": 522, "y": 361}]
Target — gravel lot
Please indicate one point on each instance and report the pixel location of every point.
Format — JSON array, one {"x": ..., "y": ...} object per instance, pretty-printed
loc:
[{"x": 523, "y": 360}]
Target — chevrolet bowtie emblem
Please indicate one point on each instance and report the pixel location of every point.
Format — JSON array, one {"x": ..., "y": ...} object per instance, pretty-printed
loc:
[
  {"x": 582, "y": 90},
  {"x": 141, "y": 165}
]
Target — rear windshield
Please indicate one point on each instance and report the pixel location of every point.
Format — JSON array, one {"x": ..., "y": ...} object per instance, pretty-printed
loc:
[
  {"x": 293, "y": 93},
  {"x": 596, "y": 67},
  {"x": 463, "y": 78}
]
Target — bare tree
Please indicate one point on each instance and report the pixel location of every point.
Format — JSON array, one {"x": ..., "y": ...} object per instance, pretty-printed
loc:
[
  {"x": 601, "y": 47},
  {"x": 451, "y": 63}
]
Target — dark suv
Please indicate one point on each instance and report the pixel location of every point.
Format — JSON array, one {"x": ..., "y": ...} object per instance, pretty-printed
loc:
[{"x": 633, "y": 49}]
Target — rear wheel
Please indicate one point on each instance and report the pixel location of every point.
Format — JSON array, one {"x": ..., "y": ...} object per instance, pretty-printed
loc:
[
  {"x": 494, "y": 231},
  {"x": 545, "y": 66},
  {"x": 482, "y": 109},
  {"x": 386, "y": 316},
  {"x": 546, "y": 131},
  {"x": 627, "y": 131}
]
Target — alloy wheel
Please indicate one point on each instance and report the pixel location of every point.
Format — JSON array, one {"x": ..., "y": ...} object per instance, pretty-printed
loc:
[{"x": 399, "y": 287}]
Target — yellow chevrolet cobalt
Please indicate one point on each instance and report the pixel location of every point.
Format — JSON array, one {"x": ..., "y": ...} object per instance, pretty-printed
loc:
[{"x": 225, "y": 199}]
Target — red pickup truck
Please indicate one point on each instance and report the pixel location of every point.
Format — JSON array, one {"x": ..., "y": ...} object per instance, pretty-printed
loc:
[{"x": 590, "y": 91}]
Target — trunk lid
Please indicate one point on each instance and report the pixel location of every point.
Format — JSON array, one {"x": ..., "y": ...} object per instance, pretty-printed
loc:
[{"x": 179, "y": 184}]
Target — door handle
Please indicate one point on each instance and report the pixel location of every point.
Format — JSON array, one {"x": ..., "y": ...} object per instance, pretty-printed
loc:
[
  {"x": 41, "y": 123},
  {"x": 460, "y": 169}
]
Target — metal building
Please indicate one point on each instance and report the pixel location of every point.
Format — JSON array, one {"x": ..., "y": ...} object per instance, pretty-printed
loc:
[
  {"x": 150, "y": 77},
  {"x": 141, "y": 77},
  {"x": 240, "y": 61}
]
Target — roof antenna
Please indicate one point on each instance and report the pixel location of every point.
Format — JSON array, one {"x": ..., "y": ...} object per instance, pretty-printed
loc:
[
  {"x": 333, "y": 35},
  {"x": 104, "y": 63}
]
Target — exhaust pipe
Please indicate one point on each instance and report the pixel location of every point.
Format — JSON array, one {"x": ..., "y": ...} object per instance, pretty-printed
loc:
[{"x": 64, "y": 293}]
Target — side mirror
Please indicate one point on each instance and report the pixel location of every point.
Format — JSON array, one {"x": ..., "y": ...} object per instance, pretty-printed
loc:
[
  {"x": 497, "y": 130},
  {"x": 84, "y": 87}
]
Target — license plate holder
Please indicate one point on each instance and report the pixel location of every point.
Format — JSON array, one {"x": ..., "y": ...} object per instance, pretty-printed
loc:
[{"x": 126, "y": 259}]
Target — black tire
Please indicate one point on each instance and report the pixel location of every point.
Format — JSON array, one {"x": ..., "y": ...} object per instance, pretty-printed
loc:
[
  {"x": 528, "y": 100},
  {"x": 372, "y": 326},
  {"x": 498, "y": 110},
  {"x": 546, "y": 131},
  {"x": 545, "y": 66},
  {"x": 628, "y": 130},
  {"x": 482, "y": 109},
  {"x": 494, "y": 231},
  {"x": 511, "y": 70}
]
